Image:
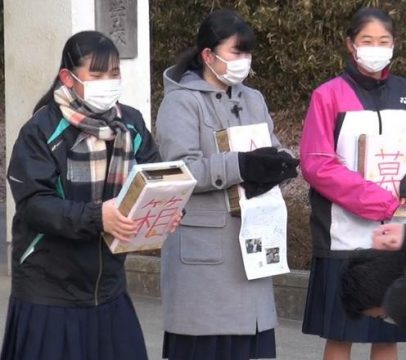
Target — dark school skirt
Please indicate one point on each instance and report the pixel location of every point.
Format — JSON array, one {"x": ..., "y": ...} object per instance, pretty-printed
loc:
[
  {"x": 220, "y": 347},
  {"x": 324, "y": 314},
  {"x": 40, "y": 332}
]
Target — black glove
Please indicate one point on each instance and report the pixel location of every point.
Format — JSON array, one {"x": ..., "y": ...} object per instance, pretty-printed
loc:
[
  {"x": 267, "y": 165},
  {"x": 254, "y": 189},
  {"x": 402, "y": 188}
]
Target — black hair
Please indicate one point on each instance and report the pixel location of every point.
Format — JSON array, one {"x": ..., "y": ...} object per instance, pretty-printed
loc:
[
  {"x": 77, "y": 48},
  {"x": 367, "y": 14},
  {"x": 394, "y": 302},
  {"x": 366, "y": 276},
  {"x": 216, "y": 28}
]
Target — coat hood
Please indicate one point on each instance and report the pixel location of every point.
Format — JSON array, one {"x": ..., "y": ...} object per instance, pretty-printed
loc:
[{"x": 190, "y": 81}]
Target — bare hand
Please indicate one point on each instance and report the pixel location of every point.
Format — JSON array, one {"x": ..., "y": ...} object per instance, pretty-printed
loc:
[
  {"x": 115, "y": 223},
  {"x": 388, "y": 237},
  {"x": 176, "y": 221}
]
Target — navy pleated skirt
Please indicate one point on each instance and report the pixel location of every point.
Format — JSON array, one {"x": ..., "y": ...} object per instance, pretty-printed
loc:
[
  {"x": 325, "y": 315},
  {"x": 39, "y": 332},
  {"x": 221, "y": 347}
]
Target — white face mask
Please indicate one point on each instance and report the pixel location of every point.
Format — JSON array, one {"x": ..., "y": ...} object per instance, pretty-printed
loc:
[
  {"x": 373, "y": 58},
  {"x": 236, "y": 70},
  {"x": 100, "y": 95}
]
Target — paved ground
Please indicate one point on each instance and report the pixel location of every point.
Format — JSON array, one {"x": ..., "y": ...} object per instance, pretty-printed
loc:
[{"x": 291, "y": 343}]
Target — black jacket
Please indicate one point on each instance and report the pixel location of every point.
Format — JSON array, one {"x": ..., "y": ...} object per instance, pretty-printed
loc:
[{"x": 70, "y": 265}]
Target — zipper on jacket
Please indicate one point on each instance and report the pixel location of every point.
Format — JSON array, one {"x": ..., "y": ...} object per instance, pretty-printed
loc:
[
  {"x": 380, "y": 130},
  {"x": 378, "y": 111},
  {"x": 96, "y": 290},
  {"x": 380, "y": 122}
]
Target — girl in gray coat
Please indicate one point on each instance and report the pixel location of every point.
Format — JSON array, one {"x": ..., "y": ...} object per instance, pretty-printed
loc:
[{"x": 211, "y": 310}]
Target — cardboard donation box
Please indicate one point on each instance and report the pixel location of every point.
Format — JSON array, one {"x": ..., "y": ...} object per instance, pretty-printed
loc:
[
  {"x": 241, "y": 138},
  {"x": 382, "y": 159},
  {"x": 152, "y": 195},
  {"x": 232, "y": 198}
]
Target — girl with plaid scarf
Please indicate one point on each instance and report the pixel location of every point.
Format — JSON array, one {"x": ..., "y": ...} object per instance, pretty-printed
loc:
[{"x": 69, "y": 297}]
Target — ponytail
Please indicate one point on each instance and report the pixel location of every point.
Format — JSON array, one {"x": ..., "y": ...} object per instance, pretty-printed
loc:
[
  {"x": 188, "y": 60},
  {"x": 47, "y": 97}
]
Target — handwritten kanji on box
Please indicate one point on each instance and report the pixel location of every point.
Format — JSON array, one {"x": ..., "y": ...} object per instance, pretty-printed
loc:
[
  {"x": 382, "y": 159},
  {"x": 153, "y": 195}
]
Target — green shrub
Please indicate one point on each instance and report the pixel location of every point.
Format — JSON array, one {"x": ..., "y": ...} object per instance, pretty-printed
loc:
[{"x": 300, "y": 43}]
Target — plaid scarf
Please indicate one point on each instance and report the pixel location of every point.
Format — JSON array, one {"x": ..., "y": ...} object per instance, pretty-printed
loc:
[{"x": 87, "y": 159}]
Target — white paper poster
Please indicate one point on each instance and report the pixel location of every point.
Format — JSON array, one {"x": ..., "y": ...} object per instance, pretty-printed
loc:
[
  {"x": 263, "y": 218},
  {"x": 263, "y": 235}
]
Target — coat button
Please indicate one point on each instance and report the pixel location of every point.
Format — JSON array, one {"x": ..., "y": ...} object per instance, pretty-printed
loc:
[
  {"x": 219, "y": 182},
  {"x": 218, "y": 96}
]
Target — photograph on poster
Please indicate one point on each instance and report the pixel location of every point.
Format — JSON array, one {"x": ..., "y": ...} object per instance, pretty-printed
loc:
[
  {"x": 253, "y": 245},
  {"x": 272, "y": 255}
]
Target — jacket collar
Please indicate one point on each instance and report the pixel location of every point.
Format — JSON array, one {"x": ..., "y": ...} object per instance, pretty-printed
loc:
[{"x": 366, "y": 82}]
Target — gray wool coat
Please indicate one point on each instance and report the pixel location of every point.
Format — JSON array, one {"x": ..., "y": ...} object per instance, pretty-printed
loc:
[{"x": 204, "y": 287}]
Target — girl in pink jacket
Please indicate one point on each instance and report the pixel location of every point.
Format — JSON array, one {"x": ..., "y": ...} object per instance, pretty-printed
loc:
[{"x": 346, "y": 208}]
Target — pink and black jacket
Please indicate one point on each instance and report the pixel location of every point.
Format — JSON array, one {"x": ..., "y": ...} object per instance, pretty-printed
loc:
[{"x": 346, "y": 208}]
